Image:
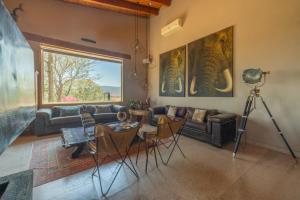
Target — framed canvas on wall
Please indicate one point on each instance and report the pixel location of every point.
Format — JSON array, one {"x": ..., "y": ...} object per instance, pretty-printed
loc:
[
  {"x": 210, "y": 67},
  {"x": 172, "y": 73}
]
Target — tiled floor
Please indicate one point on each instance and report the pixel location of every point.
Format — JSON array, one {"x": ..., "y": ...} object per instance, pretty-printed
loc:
[{"x": 207, "y": 173}]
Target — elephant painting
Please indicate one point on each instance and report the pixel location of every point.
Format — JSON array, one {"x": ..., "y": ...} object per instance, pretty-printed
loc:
[
  {"x": 210, "y": 65},
  {"x": 172, "y": 73}
]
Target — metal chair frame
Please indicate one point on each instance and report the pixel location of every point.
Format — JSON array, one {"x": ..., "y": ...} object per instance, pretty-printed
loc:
[
  {"x": 118, "y": 167},
  {"x": 157, "y": 142}
]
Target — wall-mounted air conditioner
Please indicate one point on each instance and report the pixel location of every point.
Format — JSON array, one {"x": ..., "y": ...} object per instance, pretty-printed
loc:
[{"x": 172, "y": 27}]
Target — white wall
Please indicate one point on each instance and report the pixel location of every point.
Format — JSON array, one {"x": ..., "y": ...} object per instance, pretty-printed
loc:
[{"x": 266, "y": 35}]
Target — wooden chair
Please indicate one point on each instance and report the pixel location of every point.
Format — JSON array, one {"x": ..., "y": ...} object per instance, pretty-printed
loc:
[{"x": 113, "y": 145}]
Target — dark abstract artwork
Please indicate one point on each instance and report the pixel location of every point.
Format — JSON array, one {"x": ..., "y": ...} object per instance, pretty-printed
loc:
[
  {"x": 211, "y": 64},
  {"x": 17, "y": 85},
  {"x": 172, "y": 73}
]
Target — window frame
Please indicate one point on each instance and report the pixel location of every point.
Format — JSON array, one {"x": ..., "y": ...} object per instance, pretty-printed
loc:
[{"x": 77, "y": 53}]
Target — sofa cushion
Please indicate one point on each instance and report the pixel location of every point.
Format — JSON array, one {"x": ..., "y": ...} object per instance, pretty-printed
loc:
[
  {"x": 180, "y": 112},
  {"x": 210, "y": 112},
  {"x": 196, "y": 125},
  {"x": 105, "y": 117},
  {"x": 56, "y": 110},
  {"x": 104, "y": 109},
  {"x": 69, "y": 111},
  {"x": 65, "y": 120},
  {"x": 172, "y": 111},
  {"x": 90, "y": 109},
  {"x": 199, "y": 115}
]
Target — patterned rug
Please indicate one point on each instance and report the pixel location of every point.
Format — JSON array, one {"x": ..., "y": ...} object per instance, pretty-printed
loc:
[{"x": 50, "y": 161}]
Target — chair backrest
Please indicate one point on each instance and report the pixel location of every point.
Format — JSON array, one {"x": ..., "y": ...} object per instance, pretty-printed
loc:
[
  {"x": 166, "y": 128},
  {"x": 88, "y": 123},
  {"x": 109, "y": 142}
]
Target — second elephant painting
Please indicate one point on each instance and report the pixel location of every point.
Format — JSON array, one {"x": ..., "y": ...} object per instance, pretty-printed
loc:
[{"x": 210, "y": 66}]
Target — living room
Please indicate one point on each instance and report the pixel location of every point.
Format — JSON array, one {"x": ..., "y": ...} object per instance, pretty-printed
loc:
[{"x": 189, "y": 99}]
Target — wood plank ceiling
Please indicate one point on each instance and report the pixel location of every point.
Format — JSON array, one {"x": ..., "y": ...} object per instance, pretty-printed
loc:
[{"x": 131, "y": 7}]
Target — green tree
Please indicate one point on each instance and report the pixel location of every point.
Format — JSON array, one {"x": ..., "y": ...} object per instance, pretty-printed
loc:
[
  {"x": 62, "y": 71},
  {"x": 87, "y": 90}
]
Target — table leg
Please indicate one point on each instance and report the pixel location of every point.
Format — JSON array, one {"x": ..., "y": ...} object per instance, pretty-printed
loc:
[{"x": 78, "y": 151}]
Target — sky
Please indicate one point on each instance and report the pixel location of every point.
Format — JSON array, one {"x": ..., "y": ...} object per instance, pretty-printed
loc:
[{"x": 110, "y": 73}]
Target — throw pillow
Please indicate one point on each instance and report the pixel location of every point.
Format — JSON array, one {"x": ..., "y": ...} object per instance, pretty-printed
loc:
[
  {"x": 172, "y": 111},
  {"x": 69, "y": 111},
  {"x": 199, "y": 115},
  {"x": 103, "y": 109}
]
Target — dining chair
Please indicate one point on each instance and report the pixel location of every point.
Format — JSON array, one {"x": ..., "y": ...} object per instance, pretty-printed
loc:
[{"x": 116, "y": 147}]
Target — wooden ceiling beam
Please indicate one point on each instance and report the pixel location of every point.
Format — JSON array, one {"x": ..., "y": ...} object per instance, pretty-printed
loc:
[
  {"x": 162, "y": 2},
  {"x": 118, "y": 6}
]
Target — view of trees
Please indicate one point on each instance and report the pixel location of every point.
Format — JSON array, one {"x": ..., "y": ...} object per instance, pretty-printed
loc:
[{"x": 69, "y": 78}]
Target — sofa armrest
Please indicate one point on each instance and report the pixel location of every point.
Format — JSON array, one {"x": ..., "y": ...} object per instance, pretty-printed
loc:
[
  {"x": 222, "y": 128},
  {"x": 45, "y": 113},
  {"x": 222, "y": 117},
  {"x": 119, "y": 108},
  {"x": 42, "y": 120}
]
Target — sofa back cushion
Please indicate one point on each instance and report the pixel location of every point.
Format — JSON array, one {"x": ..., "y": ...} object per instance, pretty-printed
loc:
[
  {"x": 104, "y": 109},
  {"x": 181, "y": 111},
  {"x": 209, "y": 112},
  {"x": 172, "y": 111},
  {"x": 199, "y": 115},
  {"x": 62, "y": 111}
]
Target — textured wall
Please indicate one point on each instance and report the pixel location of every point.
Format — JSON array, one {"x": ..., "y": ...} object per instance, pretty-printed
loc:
[
  {"x": 266, "y": 34},
  {"x": 68, "y": 22}
]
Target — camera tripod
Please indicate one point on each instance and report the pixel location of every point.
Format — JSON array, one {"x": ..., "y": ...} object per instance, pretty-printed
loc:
[{"x": 251, "y": 106}]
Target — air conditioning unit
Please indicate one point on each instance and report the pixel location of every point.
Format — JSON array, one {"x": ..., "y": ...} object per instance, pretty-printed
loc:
[{"x": 172, "y": 27}]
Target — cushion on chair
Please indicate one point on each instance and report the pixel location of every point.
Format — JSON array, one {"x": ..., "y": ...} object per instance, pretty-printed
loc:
[{"x": 65, "y": 120}]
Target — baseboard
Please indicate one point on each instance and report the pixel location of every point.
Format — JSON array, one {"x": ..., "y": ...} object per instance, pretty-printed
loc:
[{"x": 273, "y": 148}]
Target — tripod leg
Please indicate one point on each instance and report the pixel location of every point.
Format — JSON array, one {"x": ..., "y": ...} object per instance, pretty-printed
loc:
[
  {"x": 243, "y": 124},
  {"x": 278, "y": 129}
]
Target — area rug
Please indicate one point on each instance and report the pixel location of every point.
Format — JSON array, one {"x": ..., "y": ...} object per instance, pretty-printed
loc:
[{"x": 50, "y": 161}]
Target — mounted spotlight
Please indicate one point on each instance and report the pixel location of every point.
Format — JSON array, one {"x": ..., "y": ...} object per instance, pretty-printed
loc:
[
  {"x": 256, "y": 77},
  {"x": 253, "y": 76}
]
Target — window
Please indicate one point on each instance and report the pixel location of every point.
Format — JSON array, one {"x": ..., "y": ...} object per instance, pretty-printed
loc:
[{"x": 70, "y": 77}]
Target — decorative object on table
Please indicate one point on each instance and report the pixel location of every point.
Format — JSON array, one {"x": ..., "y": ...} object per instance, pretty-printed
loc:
[
  {"x": 210, "y": 65},
  {"x": 122, "y": 116},
  {"x": 172, "y": 73},
  {"x": 256, "y": 78},
  {"x": 109, "y": 143}
]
